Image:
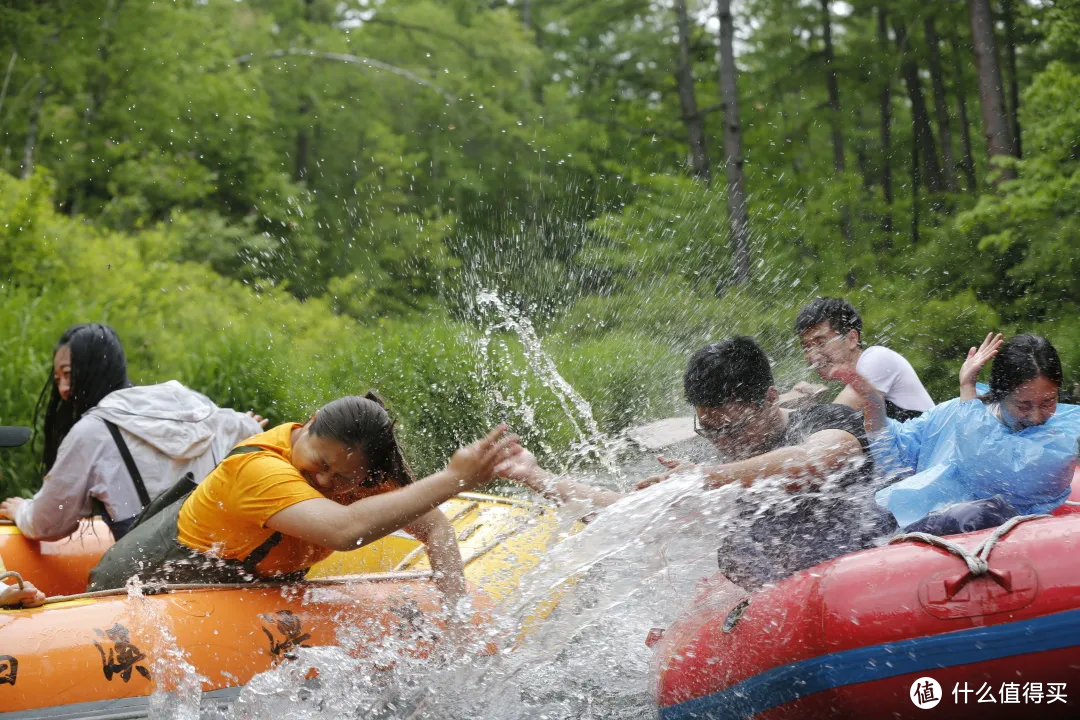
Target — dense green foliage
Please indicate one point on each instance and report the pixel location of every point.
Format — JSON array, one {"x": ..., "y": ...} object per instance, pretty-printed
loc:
[{"x": 280, "y": 201}]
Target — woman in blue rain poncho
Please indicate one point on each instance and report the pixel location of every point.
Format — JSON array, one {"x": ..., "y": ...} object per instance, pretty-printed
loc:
[{"x": 975, "y": 461}]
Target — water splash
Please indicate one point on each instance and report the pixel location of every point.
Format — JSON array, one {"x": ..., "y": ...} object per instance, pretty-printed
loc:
[
  {"x": 628, "y": 571},
  {"x": 592, "y": 442},
  {"x": 177, "y": 684}
]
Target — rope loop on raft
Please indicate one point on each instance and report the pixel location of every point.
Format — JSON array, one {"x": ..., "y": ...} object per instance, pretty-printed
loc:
[
  {"x": 13, "y": 574},
  {"x": 977, "y": 560}
]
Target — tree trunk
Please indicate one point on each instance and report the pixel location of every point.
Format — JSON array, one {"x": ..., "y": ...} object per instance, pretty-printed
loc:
[
  {"x": 924, "y": 133},
  {"x": 967, "y": 164},
  {"x": 1008, "y": 16},
  {"x": 7, "y": 79},
  {"x": 885, "y": 102},
  {"x": 684, "y": 77},
  {"x": 834, "y": 90},
  {"x": 104, "y": 49},
  {"x": 303, "y": 139},
  {"x": 833, "y": 87},
  {"x": 738, "y": 217},
  {"x": 860, "y": 150},
  {"x": 941, "y": 103},
  {"x": 915, "y": 183},
  {"x": 32, "y": 131},
  {"x": 95, "y": 101},
  {"x": 303, "y": 143},
  {"x": 996, "y": 129}
]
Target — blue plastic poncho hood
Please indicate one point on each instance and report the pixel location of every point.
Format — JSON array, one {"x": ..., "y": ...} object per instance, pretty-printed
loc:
[{"x": 959, "y": 451}]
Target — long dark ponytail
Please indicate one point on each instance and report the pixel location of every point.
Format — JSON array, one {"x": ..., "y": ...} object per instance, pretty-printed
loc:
[
  {"x": 98, "y": 367},
  {"x": 364, "y": 422}
]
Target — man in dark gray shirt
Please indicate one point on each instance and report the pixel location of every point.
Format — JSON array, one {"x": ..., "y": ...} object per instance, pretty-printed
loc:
[{"x": 821, "y": 454}]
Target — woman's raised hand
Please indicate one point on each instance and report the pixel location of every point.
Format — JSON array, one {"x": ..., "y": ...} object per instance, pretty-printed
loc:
[
  {"x": 670, "y": 463},
  {"x": 973, "y": 364},
  {"x": 475, "y": 464}
]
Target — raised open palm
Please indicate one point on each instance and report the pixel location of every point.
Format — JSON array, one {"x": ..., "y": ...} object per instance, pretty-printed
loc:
[{"x": 973, "y": 364}]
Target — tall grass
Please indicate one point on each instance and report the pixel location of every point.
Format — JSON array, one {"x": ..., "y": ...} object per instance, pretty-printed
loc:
[{"x": 445, "y": 380}]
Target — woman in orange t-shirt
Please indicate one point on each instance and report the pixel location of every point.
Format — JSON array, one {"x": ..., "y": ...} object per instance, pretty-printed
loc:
[{"x": 287, "y": 498}]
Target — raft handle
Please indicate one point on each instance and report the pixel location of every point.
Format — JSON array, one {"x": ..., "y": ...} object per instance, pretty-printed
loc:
[
  {"x": 735, "y": 615},
  {"x": 1002, "y": 578}
]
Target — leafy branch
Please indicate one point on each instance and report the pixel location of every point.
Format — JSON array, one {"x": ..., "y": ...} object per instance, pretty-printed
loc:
[{"x": 352, "y": 60}]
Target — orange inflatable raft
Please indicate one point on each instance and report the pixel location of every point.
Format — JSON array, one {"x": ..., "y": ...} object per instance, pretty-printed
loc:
[{"x": 104, "y": 654}]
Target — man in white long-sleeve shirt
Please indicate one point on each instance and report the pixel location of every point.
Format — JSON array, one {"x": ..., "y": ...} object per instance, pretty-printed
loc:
[{"x": 168, "y": 430}]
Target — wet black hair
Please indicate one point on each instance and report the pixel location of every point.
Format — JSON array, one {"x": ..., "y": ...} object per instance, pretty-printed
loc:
[
  {"x": 838, "y": 312},
  {"x": 736, "y": 369},
  {"x": 98, "y": 367},
  {"x": 1020, "y": 359},
  {"x": 364, "y": 423}
]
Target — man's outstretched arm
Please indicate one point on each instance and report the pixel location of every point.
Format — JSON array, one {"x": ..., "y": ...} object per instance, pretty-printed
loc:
[
  {"x": 809, "y": 464},
  {"x": 522, "y": 467}
]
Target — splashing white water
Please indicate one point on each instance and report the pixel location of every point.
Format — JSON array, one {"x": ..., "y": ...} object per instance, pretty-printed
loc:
[
  {"x": 628, "y": 571},
  {"x": 177, "y": 684},
  {"x": 592, "y": 442}
]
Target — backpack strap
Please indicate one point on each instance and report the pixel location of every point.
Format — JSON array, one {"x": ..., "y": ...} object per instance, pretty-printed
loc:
[
  {"x": 258, "y": 554},
  {"x": 132, "y": 468},
  {"x": 245, "y": 449}
]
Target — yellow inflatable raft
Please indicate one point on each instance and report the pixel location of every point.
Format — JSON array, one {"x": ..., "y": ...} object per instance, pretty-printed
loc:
[{"x": 103, "y": 654}]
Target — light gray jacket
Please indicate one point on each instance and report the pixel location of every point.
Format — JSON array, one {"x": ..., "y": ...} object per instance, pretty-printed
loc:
[{"x": 169, "y": 429}]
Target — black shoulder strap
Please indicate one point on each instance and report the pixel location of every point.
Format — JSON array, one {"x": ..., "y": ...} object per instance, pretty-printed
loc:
[
  {"x": 244, "y": 449},
  {"x": 181, "y": 489},
  {"x": 133, "y": 469},
  {"x": 258, "y": 554}
]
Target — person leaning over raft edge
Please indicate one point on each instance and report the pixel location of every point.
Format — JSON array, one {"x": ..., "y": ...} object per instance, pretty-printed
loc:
[
  {"x": 111, "y": 447},
  {"x": 287, "y": 498},
  {"x": 819, "y": 451}
]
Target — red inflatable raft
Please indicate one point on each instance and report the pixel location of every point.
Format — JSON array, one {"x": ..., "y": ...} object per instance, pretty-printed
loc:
[{"x": 856, "y": 637}]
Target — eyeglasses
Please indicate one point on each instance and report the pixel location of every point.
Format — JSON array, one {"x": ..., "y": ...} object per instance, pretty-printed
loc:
[
  {"x": 713, "y": 432},
  {"x": 818, "y": 343}
]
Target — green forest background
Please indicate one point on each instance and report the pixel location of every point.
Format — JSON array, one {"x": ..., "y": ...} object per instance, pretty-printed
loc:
[{"x": 278, "y": 202}]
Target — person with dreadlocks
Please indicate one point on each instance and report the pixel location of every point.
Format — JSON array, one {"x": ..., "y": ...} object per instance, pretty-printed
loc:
[{"x": 112, "y": 447}]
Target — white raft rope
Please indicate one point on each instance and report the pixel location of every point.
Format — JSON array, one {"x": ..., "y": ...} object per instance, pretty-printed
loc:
[
  {"x": 977, "y": 560},
  {"x": 12, "y": 574}
]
